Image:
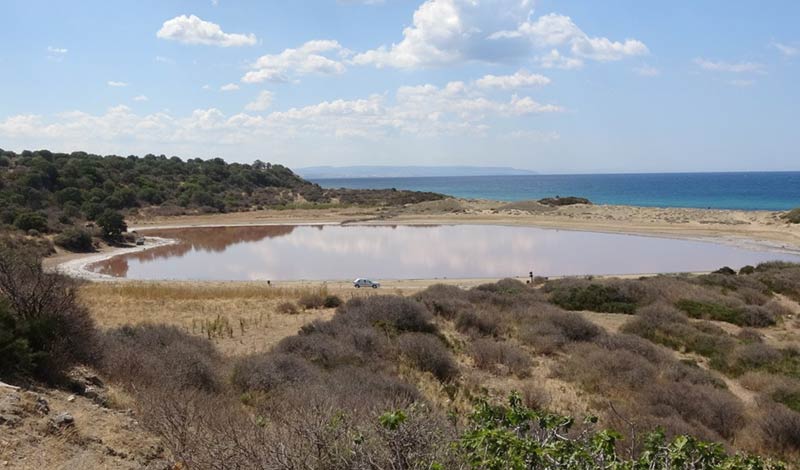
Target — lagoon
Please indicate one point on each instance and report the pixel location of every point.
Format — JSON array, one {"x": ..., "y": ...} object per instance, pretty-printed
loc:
[{"x": 344, "y": 252}]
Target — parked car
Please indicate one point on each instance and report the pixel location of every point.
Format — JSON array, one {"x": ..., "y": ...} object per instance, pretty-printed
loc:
[{"x": 361, "y": 282}]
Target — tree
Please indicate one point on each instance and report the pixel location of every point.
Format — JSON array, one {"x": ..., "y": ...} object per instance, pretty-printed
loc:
[
  {"x": 31, "y": 221},
  {"x": 112, "y": 223}
]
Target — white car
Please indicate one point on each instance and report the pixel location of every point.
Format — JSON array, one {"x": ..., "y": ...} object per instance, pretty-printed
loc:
[{"x": 361, "y": 282}]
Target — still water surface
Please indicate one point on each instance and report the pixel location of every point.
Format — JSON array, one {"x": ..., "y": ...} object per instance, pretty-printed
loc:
[{"x": 291, "y": 252}]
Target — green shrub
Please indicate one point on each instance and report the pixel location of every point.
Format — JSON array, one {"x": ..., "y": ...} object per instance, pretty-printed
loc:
[
  {"x": 31, "y": 221},
  {"x": 75, "y": 239},
  {"x": 595, "y": 298},
  {"x": 41, "y": 322},
  {"x": 709, "y": 311}
]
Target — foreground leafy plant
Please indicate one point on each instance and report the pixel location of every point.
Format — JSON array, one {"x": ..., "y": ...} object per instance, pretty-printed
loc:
[{"x": 518, "y": 438}]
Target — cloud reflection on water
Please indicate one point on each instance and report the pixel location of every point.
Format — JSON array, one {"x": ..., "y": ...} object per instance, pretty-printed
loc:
[{"x": 387, "y": 252}]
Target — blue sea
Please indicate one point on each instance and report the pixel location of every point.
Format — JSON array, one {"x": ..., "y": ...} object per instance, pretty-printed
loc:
[{"x": 749, "y": 191}]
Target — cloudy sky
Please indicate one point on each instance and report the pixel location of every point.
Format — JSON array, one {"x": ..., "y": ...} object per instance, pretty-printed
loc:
[{"x": 570, "y": 86}]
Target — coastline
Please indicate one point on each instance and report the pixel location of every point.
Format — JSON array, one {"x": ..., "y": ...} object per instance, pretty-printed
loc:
[{"x": 761, "y": 230}]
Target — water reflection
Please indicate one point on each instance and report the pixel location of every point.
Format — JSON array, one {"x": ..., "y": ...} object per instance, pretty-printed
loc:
[{"x": 407, "y": 252}]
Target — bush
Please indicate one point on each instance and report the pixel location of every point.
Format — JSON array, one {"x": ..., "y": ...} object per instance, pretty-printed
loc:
[
  {"x": 793, "y": 216},
  {"x": 488, "y": 354},
  {"x": 548, "y": 329},
  {"x": 42, "y": 321},
  {"x": 160, "y": 357},
  {"x": 311, "y": 301},
  {"x": 427, "y": 353},
  {"x": 75, "y": 239},
  {"x": 27, "y": 221},
  {"x": 332, "y": 301},
  {"x": 270, "y": 371},
  {"x": 444, "y": 300},
  {"x": 287, "y": 308},
  {"x": 475, "y": 323},
  {"x": 780, "y": 427},
  {"x": 595, "y": 298},
  {"x": 390, "y": 314},
  {"x": 320, "y": 349}
]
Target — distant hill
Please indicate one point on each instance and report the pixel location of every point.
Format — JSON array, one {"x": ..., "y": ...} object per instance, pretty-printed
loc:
[{"x": 374, "y": 171}]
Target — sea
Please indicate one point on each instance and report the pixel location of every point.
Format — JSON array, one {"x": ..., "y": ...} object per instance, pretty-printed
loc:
[{"x": 773, "y": 191}]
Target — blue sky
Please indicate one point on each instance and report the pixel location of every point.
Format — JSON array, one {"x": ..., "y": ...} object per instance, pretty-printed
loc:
[{"x": 576, "y": 86}]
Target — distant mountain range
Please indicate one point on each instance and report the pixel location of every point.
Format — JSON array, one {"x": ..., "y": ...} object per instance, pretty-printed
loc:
[{"x": 366, "y": 171}]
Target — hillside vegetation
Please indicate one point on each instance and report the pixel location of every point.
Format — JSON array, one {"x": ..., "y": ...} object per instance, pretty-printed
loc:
[
  {"x": 493, "y": 377},
  {"x": 43, "y": 191}
]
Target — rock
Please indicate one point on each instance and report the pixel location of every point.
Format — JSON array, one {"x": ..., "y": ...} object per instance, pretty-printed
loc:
[
  {"x": 42, "y": 407},
  {"x": 71, "y": 398},
  {"x": 62, "y": 420},
  {"x": 10, "y": 409}
]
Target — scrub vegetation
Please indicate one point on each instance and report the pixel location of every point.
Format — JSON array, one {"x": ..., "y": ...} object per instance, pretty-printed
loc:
[
  {"x": 44, "y": 192},
  {"x": 493, "y": 377}
]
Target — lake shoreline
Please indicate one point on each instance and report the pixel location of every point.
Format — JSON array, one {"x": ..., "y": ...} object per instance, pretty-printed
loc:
[{"x": 762, "y": 230}]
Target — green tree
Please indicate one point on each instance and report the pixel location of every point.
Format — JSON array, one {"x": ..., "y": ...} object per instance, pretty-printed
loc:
[
  {"x": 31, "y": 221},
  {"x": 112, "y": 223}
]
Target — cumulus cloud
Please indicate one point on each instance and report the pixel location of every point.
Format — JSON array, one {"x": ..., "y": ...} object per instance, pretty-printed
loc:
[
  {"x": 116, "y": 84},
  {"x": 426, "y": 110},
  {"x": 732, "y": 67},
  {"x": 450, "y": 31},
  {"x": 521, "y": 79},
  {"x": 193, "y": 30},
  {"x": 229, "y": 87},
  {"x": 314, "y": 57},
  {"x": 555, "y": 60},
  {"x": 262, "y": 102}
]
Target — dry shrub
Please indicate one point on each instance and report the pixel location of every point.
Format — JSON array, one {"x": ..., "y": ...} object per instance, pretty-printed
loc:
[
  {"x": 160, "y": 356},
  {"x": 332, "y": 301},
  {"x": 390, "y": 314},
  {"x": 783, "y": 278},
  {"x": 268, "y": 372},
  {"x": 311, "y": 301},
  {"x": 780, "y": 428},
  {"x": 534, "y": 396},
  {"x": 754, "y": 356},
  {"x": 478, "y": 323},
  {"x": 488, "y": 354},
  {"x": 444, "y": 300},
  {"x": 549, "y": 329},
  {"x": 324, "y": 350},
  {"x": 287, "y": 308},
  {"x": 427, "y": 353}
]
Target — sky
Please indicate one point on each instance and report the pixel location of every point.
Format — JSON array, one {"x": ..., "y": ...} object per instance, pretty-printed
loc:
[{"x": 552, "y": 86}]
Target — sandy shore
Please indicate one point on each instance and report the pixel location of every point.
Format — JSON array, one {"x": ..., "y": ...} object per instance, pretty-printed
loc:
[{"x": 754, "y": 229}]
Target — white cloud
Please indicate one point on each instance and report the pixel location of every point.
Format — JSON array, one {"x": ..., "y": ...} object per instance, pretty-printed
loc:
[
  {"x": 451, "y": 31},
  {"x": 261, "y": 103},
  {"x": 229, "y": 87},
  {"x": 647, "y": 71},
  {"x": 116, "y": 84},
  {"x": 555, "y": 30},
  {"x": 554, "y": 60},
  {"x": 317, "y": 57},
  {"x": 785, "y": 49},
  {"x": 521, "y": 79},
  {"x": 164, "y": 60},
  {"x": 141, "y": 98},
  {"x": 193, "y": 30},
  {"x": 425, "y": 110},
  {"x": 57, "y": 50},
  {"x": 206, "y": 87},
  {"x": 736, "y": 67}
]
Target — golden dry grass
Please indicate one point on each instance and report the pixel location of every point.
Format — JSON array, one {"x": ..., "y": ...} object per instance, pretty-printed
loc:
[{"x": 240, "y": 318}]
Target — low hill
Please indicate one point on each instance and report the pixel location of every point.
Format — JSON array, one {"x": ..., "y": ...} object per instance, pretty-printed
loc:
[{"x": 43, "y": 191}]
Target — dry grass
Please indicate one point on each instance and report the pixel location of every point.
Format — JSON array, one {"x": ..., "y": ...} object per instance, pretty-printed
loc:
[{"x": 241, "y": 318}]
